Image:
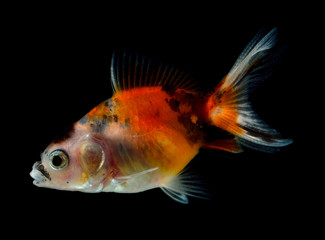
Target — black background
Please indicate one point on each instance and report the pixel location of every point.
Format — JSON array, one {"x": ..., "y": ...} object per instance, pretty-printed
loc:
[{"x": 62, "y": 65}]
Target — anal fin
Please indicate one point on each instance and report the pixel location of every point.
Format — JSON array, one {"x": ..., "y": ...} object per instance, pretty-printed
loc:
[{"x": 229, "y": 145}]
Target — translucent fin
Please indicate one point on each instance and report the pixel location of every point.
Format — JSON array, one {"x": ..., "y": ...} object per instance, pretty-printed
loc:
[
  {"x": 228, "y": 145},
  {"x": 183, "y": 185},
  {"x": 229, "y": 108},
  {"x": 178, "y": 197},
  {"x": 132, "y": 70},
  {"x": 256, "y": 62}
]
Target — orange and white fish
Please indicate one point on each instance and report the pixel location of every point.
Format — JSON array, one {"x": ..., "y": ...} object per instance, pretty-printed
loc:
[{"x": 155, "y": 123}]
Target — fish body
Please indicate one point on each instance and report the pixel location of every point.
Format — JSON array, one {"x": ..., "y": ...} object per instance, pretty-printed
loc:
[{"x": 155, "y": 124}]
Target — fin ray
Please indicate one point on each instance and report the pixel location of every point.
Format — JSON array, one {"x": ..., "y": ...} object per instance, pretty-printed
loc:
[
  {"x": 178, "y": 197},
  {"x": 136, "y": 174},
  {"x": 146, "y": 72},
  {"x": 183, "y": 185},
  {"x": 229, "y": 145}
]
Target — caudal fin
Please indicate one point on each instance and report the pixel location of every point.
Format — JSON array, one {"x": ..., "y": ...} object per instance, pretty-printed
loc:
[{"x": 228, "y": 107}]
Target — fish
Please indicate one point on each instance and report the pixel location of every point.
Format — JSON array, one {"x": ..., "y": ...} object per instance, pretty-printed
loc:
[{"x": 155, "y": 123}]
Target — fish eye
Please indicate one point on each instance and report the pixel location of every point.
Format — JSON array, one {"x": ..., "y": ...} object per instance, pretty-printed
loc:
[{"x": 58, "y": 160}]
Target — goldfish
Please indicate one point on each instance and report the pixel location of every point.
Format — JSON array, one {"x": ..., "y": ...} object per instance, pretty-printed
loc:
[{"x": 156, "y": 122}]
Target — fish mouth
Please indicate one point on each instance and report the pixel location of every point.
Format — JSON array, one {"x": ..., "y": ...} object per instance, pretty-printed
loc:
[{"x": 39, "y": 174}]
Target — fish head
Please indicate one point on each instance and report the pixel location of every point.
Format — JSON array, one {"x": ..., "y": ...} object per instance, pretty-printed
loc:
[{"x": 75, "y": 164}]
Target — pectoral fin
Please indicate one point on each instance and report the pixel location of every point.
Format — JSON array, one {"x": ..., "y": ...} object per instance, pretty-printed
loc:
[
  {"x": 125, "y": 178},
  {"x": 178, "y": 197}
]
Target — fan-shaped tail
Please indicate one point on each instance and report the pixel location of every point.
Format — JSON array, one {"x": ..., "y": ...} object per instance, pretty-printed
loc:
[{"x": 228, "y": 107}]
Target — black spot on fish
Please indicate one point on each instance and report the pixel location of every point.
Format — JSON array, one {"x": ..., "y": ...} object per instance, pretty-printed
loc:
[
  {"x": 99, "y": 125},
  {"x": 174, "y": 105},
  {"x": 109, "y": 118},
  {"x": 64, "y": 135},
  {"x": 108, "y": 103},
  {"x": 127, "y": 122},
  {"x": 115, "y": 118},
  {"x": 122, "y": 150},
  {"x": 43, "y": 171},
  {"x": 267, "y": 137},
  {"x": 194, "y": 131}
]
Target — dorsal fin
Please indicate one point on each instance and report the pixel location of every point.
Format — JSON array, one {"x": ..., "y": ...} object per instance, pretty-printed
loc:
[{"x": 133, "y": 70}]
